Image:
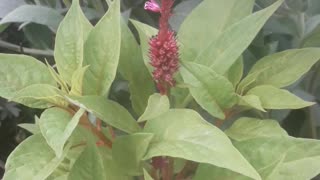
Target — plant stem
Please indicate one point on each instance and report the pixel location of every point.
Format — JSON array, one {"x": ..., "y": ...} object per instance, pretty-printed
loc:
[
  {"x": 167, "y": 170},
  {"x": 85, "y": 122},
  {"x": 20, "y": 49}
]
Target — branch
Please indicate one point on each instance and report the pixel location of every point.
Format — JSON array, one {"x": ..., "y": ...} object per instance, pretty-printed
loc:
[{"x": 20, "y": 49}]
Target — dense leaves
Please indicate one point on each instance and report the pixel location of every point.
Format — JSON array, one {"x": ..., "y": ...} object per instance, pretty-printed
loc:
[
  {"x": 90, "y": 130},
  {"x": 184, "y": 134}
]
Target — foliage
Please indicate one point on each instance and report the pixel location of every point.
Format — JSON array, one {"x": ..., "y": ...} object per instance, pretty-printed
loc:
[{"x": 85, "y": 134}]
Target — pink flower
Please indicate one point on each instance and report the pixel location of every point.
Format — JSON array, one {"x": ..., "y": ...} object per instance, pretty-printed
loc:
[
  {"x": 164, "y": 51},
  {"x": 152, "y": 5}
]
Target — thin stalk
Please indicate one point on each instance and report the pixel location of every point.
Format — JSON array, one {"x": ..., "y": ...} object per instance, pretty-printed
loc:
[{"x": 25, "y": 50}]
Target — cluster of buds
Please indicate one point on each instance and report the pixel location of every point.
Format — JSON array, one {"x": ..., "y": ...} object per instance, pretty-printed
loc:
[{"x": 163, "y": 51}]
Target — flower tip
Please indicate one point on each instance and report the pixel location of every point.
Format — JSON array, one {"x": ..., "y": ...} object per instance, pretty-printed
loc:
[{"x": 152, "y": 5}]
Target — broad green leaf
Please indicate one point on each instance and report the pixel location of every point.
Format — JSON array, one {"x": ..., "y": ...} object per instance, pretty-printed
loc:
[
  {"x": 132, "y": 68},
  {"x": 108, "y": 111},
  {"x": 128, "y": 151},
  {"x": 284, "y": 68},
  {"x": 57, "y": 125},
  {"x": 32, "y": 159},
  {"x": 102, "y": 51},
  {"x": 3, "y": 27},
  {"x": 181, "y": 11},
  {"x": 32, "y": 128},
  {"x": 69, "y": 46},
  {"x": 20, "y": 71},
  {"x": 274, "y": 154},
  {"x": 9, "y": 5},
  {"x": 157, "y": 105},
  {"x": 312, "y": 40},
  {"x": 247, "y": 81},
  {"x": 111, "y": 170},
  {"x": 40, "y": 96},
  {"x": 146, "y": 175},
  {"x": 275, "y": 98},
  {"x": 209, "y": 172},
  {"x": 247, "y": 128},
  {"x": 207, "y": 22},
  {"x": 235, "y": 72},
  {"x": 64, "y": 168},
  {"x": 251, "y": 101},
  {"x": 35, "y": 14},
  {"x": 39, "y": 36},
  {"x": 77, "y": 81},
  {"x": 145, "y": 33},
  {"x": 212, "y": 91},
  {"x": 89, "y": 166},
  {"x": 183, "y": 133},
  {"x": 222, "y": 53}
]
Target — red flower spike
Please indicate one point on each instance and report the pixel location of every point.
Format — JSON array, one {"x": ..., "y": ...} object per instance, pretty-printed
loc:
[
  {"x": 164, "y": 49},
  {"x": 152, "y": 5}
]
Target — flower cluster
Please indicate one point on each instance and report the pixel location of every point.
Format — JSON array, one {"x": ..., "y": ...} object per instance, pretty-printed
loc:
[{"x": 164, "y": 53}]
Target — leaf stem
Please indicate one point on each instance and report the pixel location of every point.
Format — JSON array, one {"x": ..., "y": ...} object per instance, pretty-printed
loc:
[{"x": 21, "y": 49}]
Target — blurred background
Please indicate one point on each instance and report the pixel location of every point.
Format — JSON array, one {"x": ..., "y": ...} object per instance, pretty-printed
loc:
[{"x": 29, "y": 27}]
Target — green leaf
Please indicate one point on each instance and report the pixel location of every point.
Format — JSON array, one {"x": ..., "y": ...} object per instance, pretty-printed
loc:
[
  {"x": 20, "y": 71},
  {"x": 40, "y": 96},
  {"x": 77, "y": 81},
  {"x": 185, "y": 134},
  {"x": 312, "y": 40},
  {"x": 102, "y": 51},
  {"x": 157, "y": 105},
  {"x": 64, "y": 168},
  {"x": 251, "y": 101},
  {"x": 58, "y": 78},
  {"x": 35, "y": 14},
  {"x": 32, "y": 128},
  {"x": 274, "y": 154},
  {"x": 145, "y": 33},
  {"x": 199, "y": 24},
  {"x": 247, "y": 81},
  {"x": 108, "y": 111},
  {"x": 146, "y": 175},
  {"x": 89, "y": 166},
  {"x": 57, "y": 126},
  {"x": 212, "y": 91},
  {"x": 274, "y": 98},
  {"x": 32, "y": 159},
  {"x": 247, "y": 128},
  {"x": 132, "y": 68},
  {"x": 235, "y": 72},
  {"x": 209, "y": 172},
  {"x": 222, "y": 53},
  {"x": 111, "y": 170},
  {"x": 69, "y": 46},
  {"x": 128, "y": 151},
  {"x": 284, "y": 68}
]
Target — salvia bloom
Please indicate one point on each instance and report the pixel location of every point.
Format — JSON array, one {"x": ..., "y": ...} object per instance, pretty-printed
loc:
[{"x": 163, "y": 51}]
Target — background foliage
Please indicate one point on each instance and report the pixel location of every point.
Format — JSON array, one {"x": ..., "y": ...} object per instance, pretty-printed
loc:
[{"x": 29, "y": 27}]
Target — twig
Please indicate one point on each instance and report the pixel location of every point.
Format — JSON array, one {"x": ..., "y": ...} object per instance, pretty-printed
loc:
[{"x": 20, "y": 49}]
